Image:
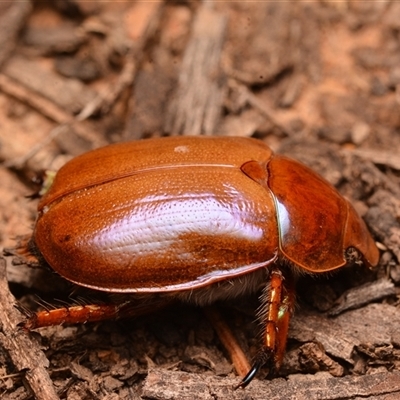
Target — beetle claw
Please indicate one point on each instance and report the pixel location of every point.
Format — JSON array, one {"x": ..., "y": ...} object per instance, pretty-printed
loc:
[
  {"x": 251, "y": 374},
  {"x": 249, "y": 377}
]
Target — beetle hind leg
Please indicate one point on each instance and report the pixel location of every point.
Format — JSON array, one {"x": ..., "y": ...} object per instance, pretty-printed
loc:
[{"x": 275, "y": 311}]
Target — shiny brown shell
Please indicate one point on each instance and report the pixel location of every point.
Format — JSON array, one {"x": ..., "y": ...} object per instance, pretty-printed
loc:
[{"x": 181, "y": 213}]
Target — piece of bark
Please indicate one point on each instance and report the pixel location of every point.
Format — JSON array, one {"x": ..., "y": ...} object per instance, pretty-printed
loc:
[
  {"x": 262, "y": 40},
  {"x": 208, "y": 357},
  {"x": 197, "y": 103},
  {"x": 245, "y": 124},
  {"x": 162, "y": 384},
  {"x": 24, "y": 353},
  {"x": 150, "y": 95},
  {"x": 51, "y": 111},
  {"x": 251, "y": 99},
  {"x": 158, "y": 76},
  {"x": 383, "y": 219},
  {"x": 312, "y": 358},
  {"x": 58, "y": 39},
  {"x": 83, "y": 67},
  {"x": 334, "y": 129},
  {"x": 69, "y": 94},
  {"x": 292, "y": 91},
  {"x": 141, "y": 21},
  {"x": 336, "y": 341},
  {"x": 374, "y": 324},
  {"x": 391, "y": 160},
  {"x": 12, "y": 18},
  {"x": 33, "y": 99},
  {"x": 357, "y": 297}
]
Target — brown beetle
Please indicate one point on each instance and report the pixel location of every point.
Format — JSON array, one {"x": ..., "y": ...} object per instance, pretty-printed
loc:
[{"x": 198, "y": 219}]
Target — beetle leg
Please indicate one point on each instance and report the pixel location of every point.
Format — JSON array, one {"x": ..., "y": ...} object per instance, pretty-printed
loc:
[
  {"x": 276, "y": 309},
  {"x": 71, "y": 315},
  {"x": 228, "y": 340},
  {"x": 93, "y": 313},
  {"x": 285, "y": 309}
]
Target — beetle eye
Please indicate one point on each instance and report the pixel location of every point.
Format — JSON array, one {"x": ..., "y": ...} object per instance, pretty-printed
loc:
[{"x": 353, "y": 256}]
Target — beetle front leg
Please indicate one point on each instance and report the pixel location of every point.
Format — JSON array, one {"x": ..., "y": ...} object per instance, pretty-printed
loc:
[{"x": 277, "y": 305}]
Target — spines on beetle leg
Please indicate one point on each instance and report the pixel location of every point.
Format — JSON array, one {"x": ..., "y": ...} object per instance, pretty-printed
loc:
[
  {"x": 277, "y": 301},
  {"x": 72, "y": 315},
  {"x": 83, "y": 313}
]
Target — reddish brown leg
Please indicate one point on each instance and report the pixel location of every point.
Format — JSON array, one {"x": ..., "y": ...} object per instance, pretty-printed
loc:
[
  {"x": 81, "y": 314},
  {"x": 276, "y": 309},
  {"x": 228, "y": 340}
]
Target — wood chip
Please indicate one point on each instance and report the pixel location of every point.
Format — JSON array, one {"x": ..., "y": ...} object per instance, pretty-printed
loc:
[
  {"x": 69, "y": 94},
  {"x": 57, "y": 39},
  {"x": 364, "y": 294},
  {"x": 197, "y": 103},
  {"x": 24, "y": 353},
  {"x": 328, "y": 332},
  {"x": 51, "y": 111},
  {"x": 12, "y": 18},
  {"x": 141, "y": 21},
  {"x": 391, "y": 160}
]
